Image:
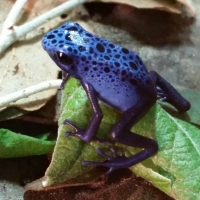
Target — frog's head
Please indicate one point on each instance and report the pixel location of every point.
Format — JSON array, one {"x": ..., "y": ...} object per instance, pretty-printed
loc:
[{"x": 65, "y": 45}]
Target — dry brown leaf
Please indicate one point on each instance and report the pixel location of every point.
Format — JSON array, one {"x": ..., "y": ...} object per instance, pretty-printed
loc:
[
  {"x": 26, "y": 63},
  {"x": 189, "y": 4},
  {"x": 170, "y": 6}
]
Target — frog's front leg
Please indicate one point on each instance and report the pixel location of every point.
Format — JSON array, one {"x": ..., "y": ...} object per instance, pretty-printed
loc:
[
  {"x": 121, "y": 134},
  {"x": 90, "y": 133},
  {"x": 168, "y": 93}
]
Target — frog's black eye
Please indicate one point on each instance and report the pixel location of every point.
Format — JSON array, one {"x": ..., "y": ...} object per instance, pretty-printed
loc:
[{"x": 63, "y": 58}]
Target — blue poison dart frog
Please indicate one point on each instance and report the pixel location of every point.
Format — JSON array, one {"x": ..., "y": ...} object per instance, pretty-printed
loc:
[{"x": 119, "y": 78}]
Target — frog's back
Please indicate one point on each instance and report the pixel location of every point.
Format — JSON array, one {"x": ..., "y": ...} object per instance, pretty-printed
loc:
[{"x": 117, "y": 74}]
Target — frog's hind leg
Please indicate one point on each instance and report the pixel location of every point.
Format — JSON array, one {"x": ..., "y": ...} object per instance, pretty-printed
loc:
[
  {"x": 168, "y": 93},
  {"x": 120, "y": 133}
]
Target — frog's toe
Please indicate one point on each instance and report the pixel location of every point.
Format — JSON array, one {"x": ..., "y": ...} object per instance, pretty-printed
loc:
[
  {"x": 103, "y": 154},
  {"x": 77, "y": 131},
  {"x": 71, "y": 125},
  {"x": 113, "y": 163},
  {"x": 79, "y": 134},
  {"x": 116, "y": 155},
  {"x": 99, "y": 164},
  {"x": 161, "y": 96},
  {"x": 67, "y": 134},
  {"x": 163, "y": 99}
]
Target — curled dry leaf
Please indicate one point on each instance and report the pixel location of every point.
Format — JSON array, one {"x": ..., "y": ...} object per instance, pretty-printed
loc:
[
  {"x": 170, "y": 6},
  {"x": 188, "y": 3}
]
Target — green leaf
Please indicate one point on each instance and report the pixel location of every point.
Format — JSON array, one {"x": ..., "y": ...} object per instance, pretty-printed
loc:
[
  {"x": 16, "y": 145},
  {"x": 178, "y": 158},
  {"x": 193, "y": 97},
  {"x": 69, "y": 152},
  {"x": 174, "y": 169}
]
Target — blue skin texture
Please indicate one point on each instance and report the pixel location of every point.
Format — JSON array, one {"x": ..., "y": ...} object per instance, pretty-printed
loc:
[{"x": 119, "y": 78}]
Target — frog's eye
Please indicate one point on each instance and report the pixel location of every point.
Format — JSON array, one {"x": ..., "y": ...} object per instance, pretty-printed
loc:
[{"x": 63, "y": 58}]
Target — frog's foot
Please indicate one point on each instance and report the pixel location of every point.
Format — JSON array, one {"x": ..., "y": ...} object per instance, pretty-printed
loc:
[
  {"x": 166, "y": 92},
  {"x": 113, "y": 163},
  {"x": 78, "y": 131},
  {"x": 81, "y": 133},
  {"x": 160, "y": 94}
]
